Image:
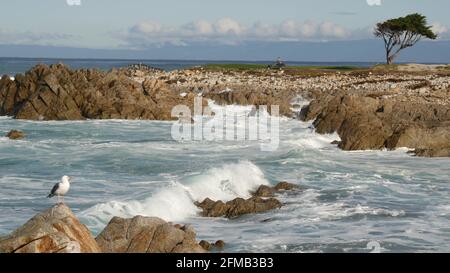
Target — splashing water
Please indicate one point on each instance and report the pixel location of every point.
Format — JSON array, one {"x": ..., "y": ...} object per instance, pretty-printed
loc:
[{"x": 125, "y": 168}]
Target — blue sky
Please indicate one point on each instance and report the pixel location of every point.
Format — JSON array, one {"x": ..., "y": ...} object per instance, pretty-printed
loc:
[
  {"x": 148, "y": 23},
  {"x": 214, "y": 29}
]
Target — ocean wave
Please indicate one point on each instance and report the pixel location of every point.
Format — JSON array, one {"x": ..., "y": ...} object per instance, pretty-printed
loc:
[
  {"x": 176, "y": 202},
  {"x": 298, "y": 102},
  {"x": 302, "y": 134},
  {"x": 315, "y": 141},
  {"x": 312, "y": 209}
]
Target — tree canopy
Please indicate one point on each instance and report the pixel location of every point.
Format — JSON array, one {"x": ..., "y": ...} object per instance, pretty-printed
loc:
[{"x": 403, "y": 32}]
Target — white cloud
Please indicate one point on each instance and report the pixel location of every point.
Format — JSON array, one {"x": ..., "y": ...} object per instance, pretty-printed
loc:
[
  {"x": 263, "y": 30},
  {"x": 331, "y": 30},
  {"x": 293, "y": 29},
  {"x": 374, "y": 2},
  {"x": 439, "y": 28},
  {"x": 229, "y": 31},
  {"x": 33, "y": 38},
  {"x": 147, "y": 27},
  {"x": 228, "y": 26},
  {"x": 200, "y": 27},
  {"x": 308, "y": 29}
]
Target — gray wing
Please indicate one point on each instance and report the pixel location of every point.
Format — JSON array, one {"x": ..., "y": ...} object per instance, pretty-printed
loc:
[{"x": 55, "y": 188}]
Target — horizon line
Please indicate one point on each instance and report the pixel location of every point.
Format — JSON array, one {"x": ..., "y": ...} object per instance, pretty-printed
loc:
[{"x": 215, "y": 60}]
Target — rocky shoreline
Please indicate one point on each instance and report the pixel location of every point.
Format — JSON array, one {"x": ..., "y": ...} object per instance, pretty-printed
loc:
[
  {"x": 57, "y": 230},
  {"x": 370, "y": 109},
  {"x": 373, "y": 108},
  {"x": 58, "y": 93},
  {"x": 384, "y": 120}
]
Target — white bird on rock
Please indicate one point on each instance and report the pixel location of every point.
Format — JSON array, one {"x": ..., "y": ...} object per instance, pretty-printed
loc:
[{"x": 60, "y": 189}]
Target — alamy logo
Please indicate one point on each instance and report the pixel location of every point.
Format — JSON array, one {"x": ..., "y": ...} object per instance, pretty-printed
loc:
[
  {"x": 73, "y": 2},
  {"x": 226, "y": 125},
  {"x": 374, "y": 2},
  {"x": 374, "y": 247}
]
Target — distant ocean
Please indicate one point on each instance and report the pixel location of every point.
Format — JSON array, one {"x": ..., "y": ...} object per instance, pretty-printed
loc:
[{"x": 13, "y": 66}]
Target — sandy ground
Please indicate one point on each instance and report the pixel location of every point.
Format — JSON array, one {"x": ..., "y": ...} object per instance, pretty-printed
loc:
[{"x": 423, "y": 67}]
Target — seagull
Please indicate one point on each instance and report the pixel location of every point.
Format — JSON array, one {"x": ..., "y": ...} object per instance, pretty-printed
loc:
[{"x": 60, "y": 189}]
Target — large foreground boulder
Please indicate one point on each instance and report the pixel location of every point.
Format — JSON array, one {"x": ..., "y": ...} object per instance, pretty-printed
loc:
[
  {"x": 147, "y": 235},
  {"x": 55, "y": 230}
]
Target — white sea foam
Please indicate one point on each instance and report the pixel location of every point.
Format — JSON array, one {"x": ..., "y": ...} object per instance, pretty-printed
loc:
[
  {"x": 171, "y": 203},
  {"x": 298, "y": 103},
  {"x": 230, "y": 110},
  {"x": 311, "y": 209},
  {"x": 226, "y": 90},
  {"x": 351, "y": 197},
  {"x": 307, "y": 137},
  {"x": 227, "y": 182},
  {"x": 176, "y": 202},
  {"x": 315, "y": 141}
]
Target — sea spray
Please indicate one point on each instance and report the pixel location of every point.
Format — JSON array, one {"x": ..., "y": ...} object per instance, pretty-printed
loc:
[
  {"x": 175, "y": 202},
  {"x": 221, "y": 124},
  {"x": 352, "y": 198}
]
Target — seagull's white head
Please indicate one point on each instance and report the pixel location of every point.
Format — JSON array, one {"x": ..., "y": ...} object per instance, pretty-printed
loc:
[{"x": 66, "y": 179}]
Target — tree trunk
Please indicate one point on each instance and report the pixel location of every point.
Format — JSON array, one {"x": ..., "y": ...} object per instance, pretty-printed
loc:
[
  {"x": 392, "y": 57},
  {"x": 388, "y": 58}
]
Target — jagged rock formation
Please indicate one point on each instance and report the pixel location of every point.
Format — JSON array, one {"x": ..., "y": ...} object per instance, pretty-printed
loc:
[
  {"x": 261, "y": 201},
  {"x": 377, "y": 120},
  {"x": 140, "y": 70},
  {"x": 267, "y": 191},
  {"x": 57, "y": 230},
  {"x": 58, "y": 93},
  {"x": 237, "y": 207}
]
